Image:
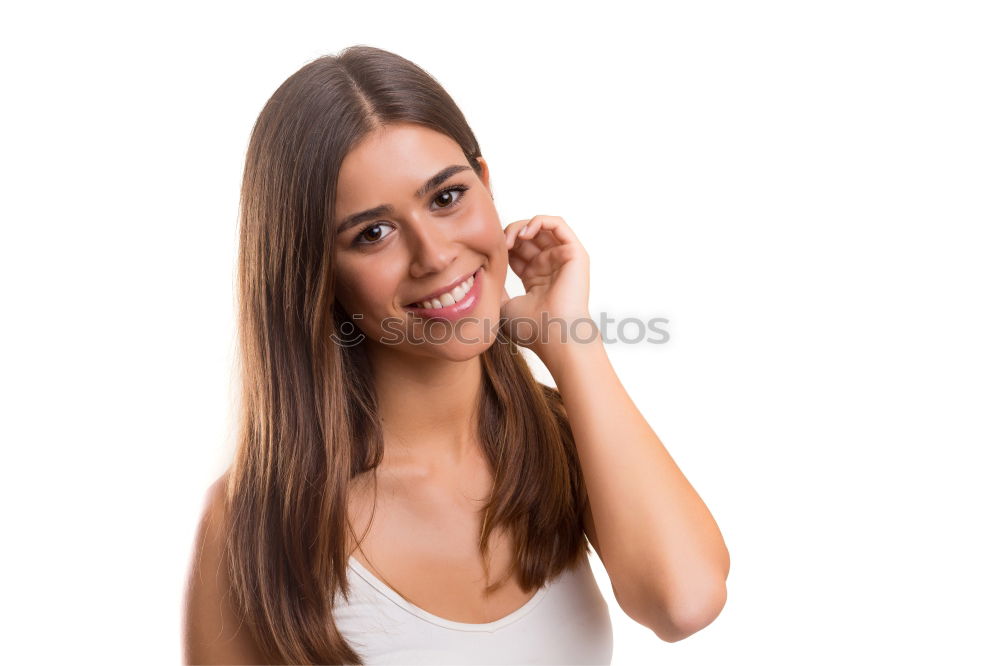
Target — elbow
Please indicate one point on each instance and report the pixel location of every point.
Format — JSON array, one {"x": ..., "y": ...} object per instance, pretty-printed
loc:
[{"x": 682, "y": 620}]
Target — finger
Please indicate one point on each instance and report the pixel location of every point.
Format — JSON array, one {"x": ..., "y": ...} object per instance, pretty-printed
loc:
[
  {"x": 532, "y": 237},
  {"x": 548, "y": 261},
  {"x": 543, "y": 238},
  {"x": 544, "y": 231},
  {"x": 533, "y": 231},
  {"x": 524, "y": 249},
  {"x": 536, "y": 233},
  {"x": 521, "y": 230},
  {"x": 511, "y": 230},
  {"x": 517, "y": 265},
  {"x": 554, "y": 224}
]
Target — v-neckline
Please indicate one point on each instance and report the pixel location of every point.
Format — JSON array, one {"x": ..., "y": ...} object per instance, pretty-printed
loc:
[{"x": 415, "y": 610}]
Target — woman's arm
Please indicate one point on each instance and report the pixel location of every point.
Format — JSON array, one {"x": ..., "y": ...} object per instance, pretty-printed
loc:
[
  {"x": 662, "y": 549},
  {"x": 213, "y": 632}
]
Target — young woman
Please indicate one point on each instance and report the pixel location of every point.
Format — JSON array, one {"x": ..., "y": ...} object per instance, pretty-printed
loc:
[{"x": 404, "y": 491}]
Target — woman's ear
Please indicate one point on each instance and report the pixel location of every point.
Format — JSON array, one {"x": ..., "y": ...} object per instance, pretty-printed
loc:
[{"x": 485, "y": 177}]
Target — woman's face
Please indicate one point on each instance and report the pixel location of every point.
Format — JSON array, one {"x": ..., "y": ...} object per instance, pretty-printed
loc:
[{"x": 439, "y": 227}]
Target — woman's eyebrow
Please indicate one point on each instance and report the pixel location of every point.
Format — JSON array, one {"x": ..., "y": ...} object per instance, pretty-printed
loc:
[{"x": 432, "y": 182}]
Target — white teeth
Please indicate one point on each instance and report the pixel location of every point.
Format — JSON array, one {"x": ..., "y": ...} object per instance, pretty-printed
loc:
[{"x": 451, "y": 297}]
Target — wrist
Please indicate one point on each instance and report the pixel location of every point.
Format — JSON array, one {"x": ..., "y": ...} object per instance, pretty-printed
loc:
[{"x": 567, "y": 341}]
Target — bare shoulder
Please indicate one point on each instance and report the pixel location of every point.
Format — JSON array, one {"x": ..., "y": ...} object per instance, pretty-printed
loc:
[{"x": 213, "y": 631}]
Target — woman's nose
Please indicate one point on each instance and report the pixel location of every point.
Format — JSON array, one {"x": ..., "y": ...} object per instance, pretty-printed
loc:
[{"x": 433, "y": 248}]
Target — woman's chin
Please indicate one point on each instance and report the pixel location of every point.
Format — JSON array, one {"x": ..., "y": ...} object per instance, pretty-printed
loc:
[
  {"x": 460, "y": 352},
  {"x": 464, "y": 343}
]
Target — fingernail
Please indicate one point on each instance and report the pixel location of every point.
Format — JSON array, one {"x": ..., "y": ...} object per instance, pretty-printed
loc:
[{"x": 523, "y": 231}]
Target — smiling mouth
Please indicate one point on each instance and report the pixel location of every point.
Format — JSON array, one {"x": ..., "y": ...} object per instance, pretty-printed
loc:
[{"x": 455, "y": 295}]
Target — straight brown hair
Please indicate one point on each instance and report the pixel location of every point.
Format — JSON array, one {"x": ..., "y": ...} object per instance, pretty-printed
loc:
[{"x": 308, "y": 418}]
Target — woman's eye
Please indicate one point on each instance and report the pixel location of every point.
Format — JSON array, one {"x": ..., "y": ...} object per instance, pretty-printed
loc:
[
  {"x": 449, "y": 197},
  {"x": 364, "y": 239}
]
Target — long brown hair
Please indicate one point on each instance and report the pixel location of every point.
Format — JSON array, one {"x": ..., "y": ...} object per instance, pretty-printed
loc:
[{"x": 308, "y": 415}]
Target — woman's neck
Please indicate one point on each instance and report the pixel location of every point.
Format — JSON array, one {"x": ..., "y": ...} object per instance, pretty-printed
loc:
[{"x": 428, "y": 408}]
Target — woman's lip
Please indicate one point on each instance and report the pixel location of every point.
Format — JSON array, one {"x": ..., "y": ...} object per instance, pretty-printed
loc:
[
  {"x": 441, "y": 292},
  {"x": 456, "y": 310}
]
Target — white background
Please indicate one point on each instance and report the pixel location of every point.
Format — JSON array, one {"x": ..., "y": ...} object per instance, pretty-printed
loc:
[{"x": 807, "y": 191}]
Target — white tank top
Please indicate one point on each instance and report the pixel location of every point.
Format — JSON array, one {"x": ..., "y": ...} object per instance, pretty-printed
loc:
[{"x": 565, "y": 622}]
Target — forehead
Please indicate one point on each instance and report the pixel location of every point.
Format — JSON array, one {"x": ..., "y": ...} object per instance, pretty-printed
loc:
[{"x": 391, "y": 163}]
